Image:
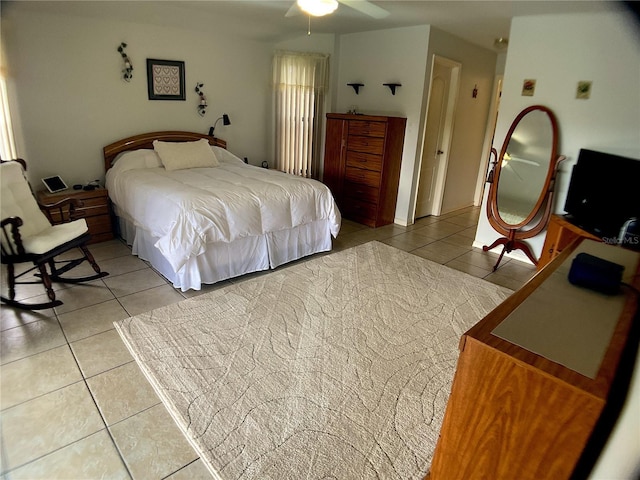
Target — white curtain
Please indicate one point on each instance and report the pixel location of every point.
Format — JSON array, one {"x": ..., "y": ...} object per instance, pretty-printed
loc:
[
  {"x": 7, "y": 141},
  {"x": 300, "y": 82}
]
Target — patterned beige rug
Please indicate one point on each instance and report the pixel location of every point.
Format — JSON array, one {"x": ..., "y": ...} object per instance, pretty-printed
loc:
[{"x": 337, "y": 367}]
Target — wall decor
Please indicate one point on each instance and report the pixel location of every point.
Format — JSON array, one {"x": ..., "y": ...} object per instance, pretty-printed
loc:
[
  {"x": 528, "y": 87},
  {"x": 392, "y": 87},
  {"x": 356, "y": 87},
  {"x": 165, "y": 79},
  {"x": 583, "y": 91},
  {"x": 127, "y": 72},
  {"x": 202, "y": 100}
]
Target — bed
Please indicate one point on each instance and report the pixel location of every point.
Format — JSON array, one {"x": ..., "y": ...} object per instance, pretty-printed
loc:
[{"x": 200, "y": 215}]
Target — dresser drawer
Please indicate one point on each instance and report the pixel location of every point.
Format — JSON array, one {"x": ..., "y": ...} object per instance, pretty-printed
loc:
[
  {"x": 366, "y": 144},
  {"x": 360, "y": 211},
  {"x": 367, "y": 129},
  {"x": 97, "y": 201},
  {"x": 84, "y": 211},
  {"x": 362, "y": 192},
  {"x": 101, "y": 224},
  {"x": 100, "y": 237},
  {"x": 364, "y": 160},
  {"x": 362, "y": 176}
]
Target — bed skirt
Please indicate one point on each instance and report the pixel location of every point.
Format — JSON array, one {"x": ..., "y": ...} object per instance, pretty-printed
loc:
[{"x": 223, "y": 260}]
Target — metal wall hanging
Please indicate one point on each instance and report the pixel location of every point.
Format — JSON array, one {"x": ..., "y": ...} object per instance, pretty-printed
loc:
[
  {"x": 127, "y": 71},
  {"x": 202, "y": 100},
  {"x": 356, "y": 87},
  {"x": 392, "y": 87}
]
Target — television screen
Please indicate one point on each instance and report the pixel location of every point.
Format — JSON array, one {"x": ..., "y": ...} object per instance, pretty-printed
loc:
[{"x": 604, "y": 192}]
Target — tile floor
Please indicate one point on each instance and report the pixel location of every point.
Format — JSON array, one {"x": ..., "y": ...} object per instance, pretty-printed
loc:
[{"x": 73, "y": 403}]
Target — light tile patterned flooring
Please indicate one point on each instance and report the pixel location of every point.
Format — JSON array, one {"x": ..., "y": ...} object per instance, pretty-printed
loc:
[{"x": 73, "y": 403}]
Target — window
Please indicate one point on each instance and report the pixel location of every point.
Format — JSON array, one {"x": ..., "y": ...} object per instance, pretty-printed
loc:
[
  {"x": 300, "y": 82},
  {"x": 7, "y": 142}
]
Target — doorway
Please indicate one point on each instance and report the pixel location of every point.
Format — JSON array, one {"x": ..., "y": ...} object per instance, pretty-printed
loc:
[
  {"x": 443, "y": 94},
  {"x": 488, "y": 141}
]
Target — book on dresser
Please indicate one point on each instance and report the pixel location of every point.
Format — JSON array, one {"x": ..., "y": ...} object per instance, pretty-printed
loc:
[{"x": 363, "y": 154}]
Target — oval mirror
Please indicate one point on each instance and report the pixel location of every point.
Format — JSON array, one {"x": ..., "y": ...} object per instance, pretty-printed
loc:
[
  {"x": 524, "y": 166},
  {"x": 522, "y": 180}
]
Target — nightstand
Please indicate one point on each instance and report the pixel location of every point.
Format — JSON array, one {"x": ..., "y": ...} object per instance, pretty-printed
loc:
[{"x": 94, "y": 209}]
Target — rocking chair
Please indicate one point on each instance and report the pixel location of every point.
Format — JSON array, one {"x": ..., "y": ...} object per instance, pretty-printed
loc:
[{"x": 27, "y": 235}]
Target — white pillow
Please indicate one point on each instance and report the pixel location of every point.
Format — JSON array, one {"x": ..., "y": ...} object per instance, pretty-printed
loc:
[
  {"x": 225, "y": 156},
  {"x": 179, "y": 155},
  {"x": 142, "y": 158}
]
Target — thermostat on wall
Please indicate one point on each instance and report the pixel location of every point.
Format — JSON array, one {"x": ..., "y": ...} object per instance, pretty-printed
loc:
[{"x": 54, "y": 184}]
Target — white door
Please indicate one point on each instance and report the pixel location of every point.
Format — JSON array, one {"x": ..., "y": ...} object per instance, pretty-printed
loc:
[{"x": 437, "y": 138}]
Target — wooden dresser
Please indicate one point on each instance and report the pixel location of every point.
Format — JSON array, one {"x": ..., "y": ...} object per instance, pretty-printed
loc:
[
  {"x": 534, "y": 376},
  {"x": 95, "y": 210},
  {"x": 363, "y": 154}
]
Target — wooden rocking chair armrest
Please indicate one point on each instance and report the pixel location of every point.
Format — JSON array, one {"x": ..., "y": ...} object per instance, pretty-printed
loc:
[
  {"x": 15, "y": 223},
  {"x": 64, "y": 215},
  {"x": 19, "y": 160}
]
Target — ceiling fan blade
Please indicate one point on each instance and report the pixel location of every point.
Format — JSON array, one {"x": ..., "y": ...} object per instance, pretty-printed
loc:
[
  {"x": 293, "y": 11},
  {"x": 366, "y": 7}
]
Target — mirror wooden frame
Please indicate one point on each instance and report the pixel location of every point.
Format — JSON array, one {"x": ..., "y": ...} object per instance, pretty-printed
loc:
[{"x": 514, "y": 234}]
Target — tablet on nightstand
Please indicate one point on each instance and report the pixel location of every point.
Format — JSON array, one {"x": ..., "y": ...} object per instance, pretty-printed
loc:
[{"x": 54, "y": 184}]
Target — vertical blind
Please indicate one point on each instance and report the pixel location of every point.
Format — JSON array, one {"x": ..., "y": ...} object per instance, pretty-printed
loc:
[{"x": 300, "y": 82}]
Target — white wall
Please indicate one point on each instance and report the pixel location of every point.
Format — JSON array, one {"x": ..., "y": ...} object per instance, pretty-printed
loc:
[
  {"x": 478, "y": 70},
  {"x": 316, "y": 42},
  {"x": 388, "y": 56},
  {"x": 558, "y": 51},
  {"x": 70, "y": 98}
]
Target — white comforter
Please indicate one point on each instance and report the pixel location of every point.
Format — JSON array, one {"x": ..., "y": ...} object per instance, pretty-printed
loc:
[{"x": 186, "y": 209}]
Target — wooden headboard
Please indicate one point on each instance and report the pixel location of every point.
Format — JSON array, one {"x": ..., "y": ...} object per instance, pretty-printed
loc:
[{"x": 145, "y": 140}]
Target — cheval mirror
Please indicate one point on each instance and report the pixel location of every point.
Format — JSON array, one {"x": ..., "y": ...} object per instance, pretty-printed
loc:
[{"x": 522, "y": 180}]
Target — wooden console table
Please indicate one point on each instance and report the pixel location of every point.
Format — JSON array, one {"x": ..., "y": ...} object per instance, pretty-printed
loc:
[
  {"x": 534, "y": 375},
  {"x": 560, "y": 234}
]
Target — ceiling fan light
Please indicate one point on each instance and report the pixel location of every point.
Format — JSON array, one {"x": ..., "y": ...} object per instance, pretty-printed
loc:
[{"x": 318, "y": 8}]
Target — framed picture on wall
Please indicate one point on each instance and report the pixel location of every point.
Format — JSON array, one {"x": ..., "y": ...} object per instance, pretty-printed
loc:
[
  {"x": 528, "y": 87},
  {"x": 165, "y": 79}
]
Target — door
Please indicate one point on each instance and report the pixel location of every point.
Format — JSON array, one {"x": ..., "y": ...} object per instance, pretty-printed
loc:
[
  {"x": 437, "y": 138},
  {"x": 488, "y": 142}
]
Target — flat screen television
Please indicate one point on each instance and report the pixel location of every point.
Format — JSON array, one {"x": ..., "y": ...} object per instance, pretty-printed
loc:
[{"x": 604, "y": 192}]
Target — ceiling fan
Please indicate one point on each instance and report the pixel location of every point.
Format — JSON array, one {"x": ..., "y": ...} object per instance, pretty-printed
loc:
[{"x": 320, "y": 8}]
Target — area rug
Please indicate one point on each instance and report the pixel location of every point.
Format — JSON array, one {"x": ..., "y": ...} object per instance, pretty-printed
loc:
[{"x": 336, "y": 367}]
